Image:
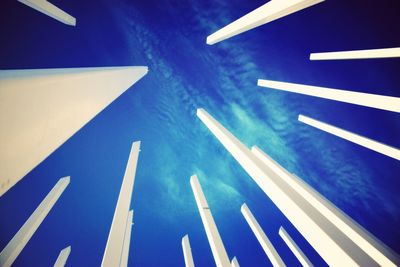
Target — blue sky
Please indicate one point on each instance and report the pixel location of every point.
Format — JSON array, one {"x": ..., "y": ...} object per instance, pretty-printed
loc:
[{"x": 185, "y": 74}]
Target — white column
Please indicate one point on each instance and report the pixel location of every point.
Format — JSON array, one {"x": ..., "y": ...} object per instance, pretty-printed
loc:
[
  {"x": 217, "y": 247},
  {"x": 357, "y": 54},
  {"x": 352, "y": 137},
  {"x": 41, "y": 109},
  {"x": 334, "y": 246},
  {"x": 268, "y": 12},
  {"x": 50, "y": 10},
  {"x": 262, "y": 238},
  {"x": 24, "y": 234},
  {"x": 388, "y": 103},
  {"x": 187, "y": 251},
  {"x": 294, "y": 248},
  {"x": 234, "y": 262},
  {"x": 127, "y": 240},
  {"x": 115, "y": 242},
  {"x": 63, "y": 257}
]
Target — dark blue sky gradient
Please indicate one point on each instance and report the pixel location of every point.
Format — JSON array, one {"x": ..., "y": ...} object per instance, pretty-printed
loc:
[{"x": 185, "y": 74}]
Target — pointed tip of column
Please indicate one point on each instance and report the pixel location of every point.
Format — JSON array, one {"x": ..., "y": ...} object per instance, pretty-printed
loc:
[
  {"x": 67, "y": 249},
  {"x": 301, "y": 117},
  {"x": 281, "y": 230},
  {"x": 71, "y": 21},
  {"x": 185, "y": 237},
  {"x": 259, "y": 82},
  {"x": 199, "y": 111},
  {"x": 66, "y": 179},
  {"x": 243, "y": 207},
  {"x": 193, "y": 179}
]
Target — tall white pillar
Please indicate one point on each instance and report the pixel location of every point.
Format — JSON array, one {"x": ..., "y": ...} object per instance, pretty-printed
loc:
[
  {"x": 116, "y": 238},
  {"x": 24, "y": 234},
  {"x": 217, "y": 247},
  {"x": 63, "y": 257},
  {"x": 127, "y": 240},
  {"x": 41, "y": 109},
  {"x": 187, "y": 252},
  {"x": 294, "y": 248},
  {"x": 357, "y": 54}
]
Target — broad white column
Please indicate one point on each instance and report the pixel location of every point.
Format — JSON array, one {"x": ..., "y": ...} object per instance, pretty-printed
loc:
[
  {"x": 115, "y": 242},
  {"x": 234, "y": 262},
  {"x": 268, "y": 12},
  {"x": 217, "y": 247},
  {"x": 363, "y": 99},
  {"x": 334, "y": 246},
  {"x": 357, "y": 54},
  {"x": 24, "y": 234},
  {"x": 127, "y": 240},
  {"x": 41, "y": 109},
  {"x": 63, "y": 257},
  {"x": 50, "y": 10},
  {"x": 294, "y": 248},
  {"x": 187, "y": 252},
  {"x": 352, "y": 137},
  {"x": 262, "y": 238}
]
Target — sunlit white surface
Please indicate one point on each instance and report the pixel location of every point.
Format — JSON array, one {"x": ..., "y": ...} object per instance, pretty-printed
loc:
[
  {"x": 41, "y": 109},
  {"x": 357, "y": 54},
  {"x": 234, "y": 262},
  {"x": 63, "y": 257},
  {"x": 187, "y": 251},
  {"x": 294, "y": 248},
  {"x": 127, "y": 240}
]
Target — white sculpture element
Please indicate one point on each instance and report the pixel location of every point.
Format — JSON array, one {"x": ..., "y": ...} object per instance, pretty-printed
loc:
[
  {"x": 352, "y": 137},
  {"x": 262, "y": 238},
  {"x": 51, "y": 10},
  {"x": 294, "y": 248},
  {"x": 268, "y": 12},
  {"x": 217, "y": 247},
  {"x": 127, "y": 240},
  {"x": 113, "y": 255},
  {"x": 363, "y": 99},
  {"x": 24, "y": 234},
  {"x": 357, "y": 54},
  {"x": 187, "y": 252},
  {"x": 41, "y": 109},
  {"x": 334, "y": 245},
  {"x": 63, "y": 257},
  {"x": 234, "y": 262}
]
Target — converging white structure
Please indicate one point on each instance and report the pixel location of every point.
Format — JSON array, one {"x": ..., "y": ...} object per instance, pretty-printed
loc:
[
  {"x": 51, "y": 10},
  {"x": 352, "y": 137},
  {"x": 217, "y": 247},
  {"x": 357, "y": 54},
  {"x": 294, "y": 248},
  {"x": 268, "y": 12},
  {"x": 41, "y": 109},
  {"x": 234, "y": 262},
  {"x": 63, "y": 257},
  {"x": 116, "y": 252},
  {"x": 262, "y": 238},
  {"x": 389, "y": 103},
  {"x": 338, "y": 240},
  {"x": 187, "y": 252},
  {"x": 24, "y": 234}
]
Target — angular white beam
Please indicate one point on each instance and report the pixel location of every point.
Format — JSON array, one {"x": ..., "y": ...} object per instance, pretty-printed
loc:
[
  {"x": 355, "y": 138},
  {"x": 389, "y": 103},
  {"x": 187, "y": 252},
  {"x": 217, "y": 247},
  {"x": 41, "y": 109},
  {"x": 51, "y": 10},
  {"x": 63, "y": 257},
  {"x": 262, "y": 238},
  {"x": 127, "y": 240},
  {"x": 234, "y": 262},
  {"x": 334, "y": 246},
  {"x": 365, "y": 240},
  {"x": 357, "y": 54},
  {"x": 294, "y": 248},
  {"x": 268, "y": 12},
  {"x": 115, "y": 242},
  {"x": 24, "y": 234}
]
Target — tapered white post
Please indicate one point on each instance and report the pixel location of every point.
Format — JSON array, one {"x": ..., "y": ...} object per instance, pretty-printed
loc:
[
  {"x": 217, "y": 247},
  {"x": 127, "y": 240},
  {"x": 24, "y": 234},
  {"x": 294, "y": 248},
  {"x": 63, "y": 257},
  {"x": 262, "y": 238},
  {"x": 388, "y": 103},
  {"x": 50, "y": 10},
  {"x": 357, "y": 54},
  {"x": 268, "y": 12},
  {"x": 234, "y": 262},
  {"x": 187, "y": 251},
  {"x": 41, "y": 109},
  {"x": 116, "y": 238},
  {"x": 352, "y": 137},
  {"x": 334, "y": 246}
]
